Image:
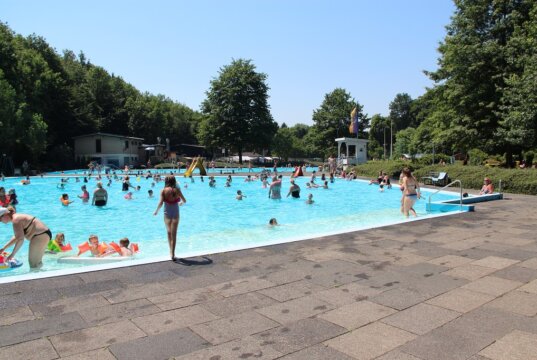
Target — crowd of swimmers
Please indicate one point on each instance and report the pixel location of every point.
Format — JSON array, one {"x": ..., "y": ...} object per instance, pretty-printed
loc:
[{"x": 29, "y": 227}]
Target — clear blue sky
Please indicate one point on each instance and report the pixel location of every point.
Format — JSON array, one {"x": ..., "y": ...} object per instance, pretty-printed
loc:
[{"x": 372, "y": 48}]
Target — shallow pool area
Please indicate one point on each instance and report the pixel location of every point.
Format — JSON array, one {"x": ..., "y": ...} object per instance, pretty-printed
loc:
[{"x": 212, "y": 220}]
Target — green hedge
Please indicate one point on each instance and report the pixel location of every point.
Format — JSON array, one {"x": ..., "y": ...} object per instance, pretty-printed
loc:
[{"x": 520, "y": 181}]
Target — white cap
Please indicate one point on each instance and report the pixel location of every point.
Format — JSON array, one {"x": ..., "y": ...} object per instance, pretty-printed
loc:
[{"x": 3, "y": 210}]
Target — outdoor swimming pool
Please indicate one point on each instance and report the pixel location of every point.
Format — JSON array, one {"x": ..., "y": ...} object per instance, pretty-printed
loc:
[{"x": 211, "y": 221}]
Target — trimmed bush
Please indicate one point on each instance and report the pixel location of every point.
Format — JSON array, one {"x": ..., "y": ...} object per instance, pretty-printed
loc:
[{"x": 520, "y": 181}]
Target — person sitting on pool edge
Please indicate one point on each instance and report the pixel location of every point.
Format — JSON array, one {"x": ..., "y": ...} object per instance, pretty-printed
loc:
[{"x": 487, "y": 188}]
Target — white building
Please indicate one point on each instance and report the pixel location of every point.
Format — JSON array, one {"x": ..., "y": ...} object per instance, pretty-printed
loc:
[
  {"x": 351, "y": 151},
  {"x": 107, "y": 149}
]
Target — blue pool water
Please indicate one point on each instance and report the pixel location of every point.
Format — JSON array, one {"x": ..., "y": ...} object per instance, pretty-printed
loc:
[{"x": 212, "y": 219}]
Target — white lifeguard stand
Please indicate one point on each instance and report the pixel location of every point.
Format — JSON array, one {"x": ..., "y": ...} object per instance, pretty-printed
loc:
[{"x": 355, "y": 151}]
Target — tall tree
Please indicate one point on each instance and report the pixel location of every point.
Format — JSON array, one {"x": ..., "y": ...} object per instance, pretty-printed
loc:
[
  {"x": 332, "y": 119},
  {"x": 401, "y": 113},
  {"x": 237, "y": 110},
  {"x": 473, "y": 67}
]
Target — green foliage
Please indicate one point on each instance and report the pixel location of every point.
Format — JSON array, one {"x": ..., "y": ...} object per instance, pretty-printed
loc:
[
  {"x": 485, "y": 86},
  {"x": 237, "y": 111},
  {"x": 332, "y": 120},
  {"x": 401, "y": 113},
  {"x": 46, "y": 99},
  {"x": 477, "y": 157},
  {"x": 521, "y": 181},
  {"x": 528, "y": 157}
]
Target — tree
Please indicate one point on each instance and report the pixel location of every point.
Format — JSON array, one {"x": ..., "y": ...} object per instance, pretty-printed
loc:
[
  {"x": 380, "y": 137},
  {"x": 332, "y": 119},
  {"x": 401, "y": 112},
  {"x": 474, "y": 65},
  {"x": 237, "y": 111},
  {"x": 518, "y": 126}
]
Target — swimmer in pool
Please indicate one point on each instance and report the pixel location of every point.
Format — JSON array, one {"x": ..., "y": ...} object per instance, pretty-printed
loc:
[
  {"x": 85, "y": 194},
  {"x": 239, "y": 195},
  {"x": 65, "y": 200},
  {"x": 124, "y": 247}
]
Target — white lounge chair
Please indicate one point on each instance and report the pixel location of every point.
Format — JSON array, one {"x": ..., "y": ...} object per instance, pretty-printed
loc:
[{"x": 441, "y": 179}]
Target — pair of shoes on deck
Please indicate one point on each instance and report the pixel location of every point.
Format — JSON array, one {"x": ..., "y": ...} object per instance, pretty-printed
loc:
[{"x": 180, "y": 261}]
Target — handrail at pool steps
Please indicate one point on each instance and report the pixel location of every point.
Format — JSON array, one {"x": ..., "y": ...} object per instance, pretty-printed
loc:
[{"x": 448, "y": 185}]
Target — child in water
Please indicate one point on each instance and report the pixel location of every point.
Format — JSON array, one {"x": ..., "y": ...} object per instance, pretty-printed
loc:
[
  {"x": 55, "y": 246},
  {"x": 128, "y": 196},
  {"x": 273, "y": 222},
  {"x": 124, "y": 247},
  {"x": 65, "y": 200},
  {"x": 239, "y": 195},
  {"x": 310, "y": 199}
]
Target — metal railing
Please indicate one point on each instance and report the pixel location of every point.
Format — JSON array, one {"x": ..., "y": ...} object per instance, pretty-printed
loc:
[{"x": 448, "y": 185}]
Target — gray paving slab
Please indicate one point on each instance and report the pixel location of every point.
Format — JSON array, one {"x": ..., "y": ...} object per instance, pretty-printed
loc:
[
  {"x": 317, "y": 352},
  {"x": 99, "y": 354},
  {"x": 40, "y": 349},
  {"x": 296, "y": 309},
  {"x": 174, "y": 319},
  {"x": 517, "y": 273},
  {"x": 15, "y": 315},
  {"x": 245, "y": 348},
  {"x": 233, "y": 327},
  {"x": 238, "y": 304},
  {"x": 299, "y": 335},
  {"x": 35, "y": 329},
  {"x": 69, "y": 304},
  {"x": 159, "y": 347},
  {"x": 117, "y": 312},
  {"x": 91, "y": 288},
  {"x": 84, "y": 340},
  {"x": 467, "y": 335},
  {"x": 28, "y": 297}
]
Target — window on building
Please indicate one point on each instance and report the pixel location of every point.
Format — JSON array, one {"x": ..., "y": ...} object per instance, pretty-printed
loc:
[
  {"x": 126, "y": 144},
  {"x": 97, "y": 145}
]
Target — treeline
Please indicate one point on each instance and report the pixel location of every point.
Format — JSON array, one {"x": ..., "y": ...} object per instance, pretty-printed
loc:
[
  {"x": 47, "y": 98},
  {"x": 484, "y": 100}
]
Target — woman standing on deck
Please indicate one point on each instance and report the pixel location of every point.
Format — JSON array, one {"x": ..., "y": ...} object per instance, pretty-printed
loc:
[
  {"x": 172, "y": 197},
  {"x": 29, "y": 227}
]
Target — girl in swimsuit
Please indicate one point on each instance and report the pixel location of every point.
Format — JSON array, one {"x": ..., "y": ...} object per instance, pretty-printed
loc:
[
  {"x": 29, "y": 227},
  {"x": 172, "y": 197},
  {"x": 411, "y": 192}
]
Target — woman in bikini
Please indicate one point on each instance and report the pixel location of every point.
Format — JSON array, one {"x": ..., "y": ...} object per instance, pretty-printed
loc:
[
  {"x": 411, "y": 192},
  {"x": 29, "y": 227},
  {"x": 172, "y": 197}
]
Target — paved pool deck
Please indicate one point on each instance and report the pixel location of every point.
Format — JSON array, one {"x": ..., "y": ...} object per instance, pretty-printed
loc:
[{"x": 458, "y": 287}]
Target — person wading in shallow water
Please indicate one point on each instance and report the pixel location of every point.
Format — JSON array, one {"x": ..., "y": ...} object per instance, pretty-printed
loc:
[{"x": 171, "y": 197}]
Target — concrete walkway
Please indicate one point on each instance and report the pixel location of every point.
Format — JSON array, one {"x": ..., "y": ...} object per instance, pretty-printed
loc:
[{"x": 459, "y": 287}]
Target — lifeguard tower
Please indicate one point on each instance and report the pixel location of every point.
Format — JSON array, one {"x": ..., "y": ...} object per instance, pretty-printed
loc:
[{"x": 354, "y": 151}]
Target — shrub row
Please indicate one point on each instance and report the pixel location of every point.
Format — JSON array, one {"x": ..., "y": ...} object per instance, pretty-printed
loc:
[{"x": 520, "y": 181}]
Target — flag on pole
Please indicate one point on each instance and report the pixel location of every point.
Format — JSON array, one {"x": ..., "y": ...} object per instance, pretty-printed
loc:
[{"x": 353, "y": 127}]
